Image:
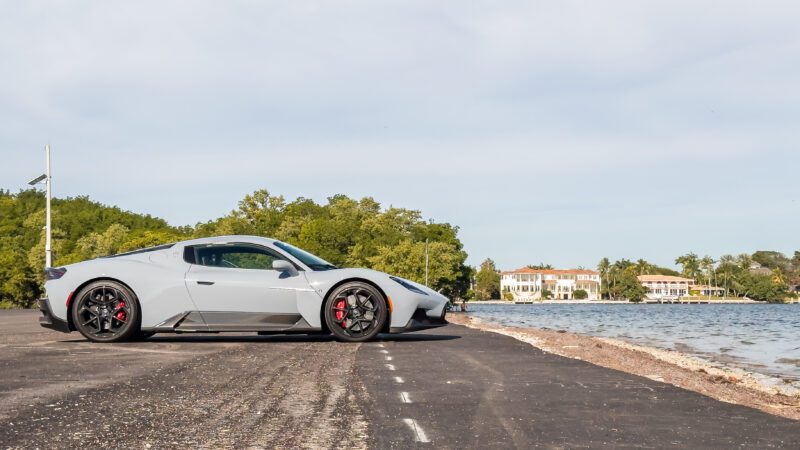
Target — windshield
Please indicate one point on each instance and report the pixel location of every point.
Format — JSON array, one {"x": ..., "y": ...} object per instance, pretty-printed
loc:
[{"x": 312, "y": 261}]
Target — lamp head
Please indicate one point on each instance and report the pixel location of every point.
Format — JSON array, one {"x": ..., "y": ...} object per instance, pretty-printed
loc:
[{"x": 37, "y": 180}]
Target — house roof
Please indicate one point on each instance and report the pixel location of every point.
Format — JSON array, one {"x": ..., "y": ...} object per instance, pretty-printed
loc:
[
  {"x": 650, "y": 278},
  {"x": 552, "y": 271}
]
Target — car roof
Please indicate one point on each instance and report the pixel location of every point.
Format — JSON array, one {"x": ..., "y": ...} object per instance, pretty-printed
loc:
[{"x": 229, "y": 239}]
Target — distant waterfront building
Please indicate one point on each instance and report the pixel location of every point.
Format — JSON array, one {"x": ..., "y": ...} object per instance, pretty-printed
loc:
[
  {"x": 703, "y": 289},
  {"x": 665, "y": 286},
  {"x": 528, "y": 284},
  {"x": 758, "y": 269}
]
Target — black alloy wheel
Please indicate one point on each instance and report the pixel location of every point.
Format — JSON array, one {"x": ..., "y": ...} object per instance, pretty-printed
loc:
[
  {"x": 106, "y": 311},
  {"x": 355, "y": 312}
]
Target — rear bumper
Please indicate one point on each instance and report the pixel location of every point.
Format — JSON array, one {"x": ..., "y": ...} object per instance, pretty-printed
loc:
[
  {"x": 48, "y": 320},
  {"x": 421, "y": 321}
]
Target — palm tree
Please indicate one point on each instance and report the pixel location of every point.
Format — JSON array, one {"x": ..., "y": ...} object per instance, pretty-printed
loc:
[
  {"x": 744, "y": 261},
  {"x": 690, "y": 265},
  {"x": 778, "y": 277},
  {"x": 643, "y": 267},
  {"x": 603, "y": 267},
  {"x": 726, "y": 263},
  {"x": 707, "y": 263}
]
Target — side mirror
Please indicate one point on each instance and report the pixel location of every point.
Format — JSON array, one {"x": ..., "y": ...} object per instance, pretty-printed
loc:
[{"x": 283, "y": 266}]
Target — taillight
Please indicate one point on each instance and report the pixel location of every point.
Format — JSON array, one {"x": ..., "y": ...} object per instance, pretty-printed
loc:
[{"x": 52, "y": 273}]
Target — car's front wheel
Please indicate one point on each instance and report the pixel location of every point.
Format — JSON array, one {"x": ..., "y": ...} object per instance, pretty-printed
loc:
[
  {"x": 106, "y": 311},
  {"x": 355, "y": 312}
]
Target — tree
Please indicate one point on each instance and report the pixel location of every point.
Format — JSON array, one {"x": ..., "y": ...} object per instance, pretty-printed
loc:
[
  {"x": 540, "y": 266},
  {"x": 690, "y": 265},
  {"x": 580, "y": 294},
  {"x": 727, "y": 268},
  {"x": 487, "y": 281},
  {"x": 547, "y": 294},
  {"x": 604, "y": 266},
  {"x": 407, "y": 260},
  {"x": 629, "y": 287},
  {"x": 761, "y": 287},
  {"x": 643, "y": 267},
  {"x": 345, "y": 231},
  {"x": 744, "y": 261},
  {"x": 707, "y": 265}
]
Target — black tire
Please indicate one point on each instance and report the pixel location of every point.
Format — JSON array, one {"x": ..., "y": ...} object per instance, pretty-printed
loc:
[
  {"x": 355, "y": 312},
  {"x": 106, "y": 311}
]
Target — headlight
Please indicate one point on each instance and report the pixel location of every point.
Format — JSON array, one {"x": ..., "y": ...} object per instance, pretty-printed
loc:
[{"x": 409, "y": 286}]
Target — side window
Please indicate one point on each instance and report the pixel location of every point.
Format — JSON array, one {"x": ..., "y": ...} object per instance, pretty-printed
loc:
[{"x": 233, "y": 256}]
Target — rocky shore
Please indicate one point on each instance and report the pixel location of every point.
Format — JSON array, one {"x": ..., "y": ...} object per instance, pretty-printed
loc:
[{"x": 725, "y": 384}]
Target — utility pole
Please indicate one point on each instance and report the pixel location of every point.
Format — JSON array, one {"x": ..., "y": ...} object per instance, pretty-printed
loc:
[{"x": 48, "y": 258}]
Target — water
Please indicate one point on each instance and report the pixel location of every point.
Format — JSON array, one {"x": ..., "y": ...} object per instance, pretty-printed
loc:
[{"x": 763, "y": 338}]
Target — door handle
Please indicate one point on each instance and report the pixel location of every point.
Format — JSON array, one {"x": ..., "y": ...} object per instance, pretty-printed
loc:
[{"x": 205, "y": 283}]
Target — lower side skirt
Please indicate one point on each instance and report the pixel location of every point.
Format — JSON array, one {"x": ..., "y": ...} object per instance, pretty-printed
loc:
[{"x": 222, "y": 321}]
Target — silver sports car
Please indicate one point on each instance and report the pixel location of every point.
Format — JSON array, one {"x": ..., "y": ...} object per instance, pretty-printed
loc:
[{"x": 231, "y": 283}]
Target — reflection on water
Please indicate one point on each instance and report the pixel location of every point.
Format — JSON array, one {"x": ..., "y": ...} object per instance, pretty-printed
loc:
[{"x": 761, "y": 338}]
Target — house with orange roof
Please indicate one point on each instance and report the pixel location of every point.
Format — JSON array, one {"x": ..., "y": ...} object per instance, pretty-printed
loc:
[
  {"x": 528, "y": 284},
  {"x": 665, "y": 287}
]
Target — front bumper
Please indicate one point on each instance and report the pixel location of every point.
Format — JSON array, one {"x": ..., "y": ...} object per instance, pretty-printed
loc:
[
  {"x": 421, "y": 321},
  {"x": 48, "y": 320}
]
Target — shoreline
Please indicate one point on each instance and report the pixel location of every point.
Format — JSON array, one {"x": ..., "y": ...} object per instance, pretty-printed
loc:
[
  {"x": 730, "y": 385},
  {"x": 693, "y": 301}
]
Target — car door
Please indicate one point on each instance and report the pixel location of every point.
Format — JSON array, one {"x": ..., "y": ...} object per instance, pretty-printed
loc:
[{"x": 235, "y": 287}]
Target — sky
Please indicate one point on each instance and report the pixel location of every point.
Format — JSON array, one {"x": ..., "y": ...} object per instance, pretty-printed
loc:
[{"x": 557, "y": 132}]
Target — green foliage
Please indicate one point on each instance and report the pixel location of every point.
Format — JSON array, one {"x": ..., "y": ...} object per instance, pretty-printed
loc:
[
  {"x": 547, "y": 294},
  {"x": 344, "y": 231},
  {"x": 508, "y": 296},
  {"x": 611, "y": 275},
  {"x": 487, "y": 281},
  {"x": 761, "y": 287},
  {"x": 580, "y": 294},
  {"x": 629, "y": 287},
  {"x": 540, "y": 266},
  {"x": 690, "y": 265}
]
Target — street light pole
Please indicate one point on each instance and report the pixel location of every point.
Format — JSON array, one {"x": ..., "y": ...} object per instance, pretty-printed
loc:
[
  {"x": 48, "y": 259},
  {"x": 48, "y": 254}
]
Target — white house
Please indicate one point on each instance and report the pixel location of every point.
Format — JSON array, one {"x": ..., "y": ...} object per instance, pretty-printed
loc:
[
  {"x": 528, "y": 284},
  {"x": 665, "y": 286}
]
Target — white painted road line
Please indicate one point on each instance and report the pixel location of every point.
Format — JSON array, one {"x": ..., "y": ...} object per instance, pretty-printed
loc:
[
  {"x": 385, "y": 351},
  {"x": 398, "y": 380},
  {"x": 419, "y": 433},
  {"x": 390, "y": 366},
  {"x": 388, "y": 358},
  {"x": 404, "y": 397}
]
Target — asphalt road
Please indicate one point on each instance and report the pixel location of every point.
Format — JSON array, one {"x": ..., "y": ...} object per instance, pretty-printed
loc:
[{"x": 453, "y": 387}]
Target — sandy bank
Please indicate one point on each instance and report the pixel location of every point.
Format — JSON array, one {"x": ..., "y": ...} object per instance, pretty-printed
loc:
[{"x": 724, "y": 384}]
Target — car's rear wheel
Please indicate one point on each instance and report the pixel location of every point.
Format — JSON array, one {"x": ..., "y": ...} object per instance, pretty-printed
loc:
[
  {"x": 106, "y": 311},
  {"x": 355, "y": 312}
]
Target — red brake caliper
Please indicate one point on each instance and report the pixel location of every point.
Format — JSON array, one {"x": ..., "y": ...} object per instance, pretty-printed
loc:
[
  {"x": 121, "y": 315},
  {"x": 340, "y": 311}
]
